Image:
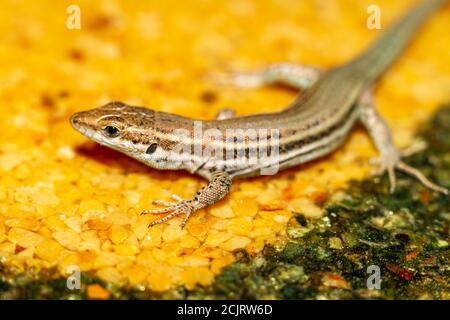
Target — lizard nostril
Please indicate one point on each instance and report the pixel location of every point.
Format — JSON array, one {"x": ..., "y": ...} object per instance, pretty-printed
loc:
[{"x": 74, "y": 119}]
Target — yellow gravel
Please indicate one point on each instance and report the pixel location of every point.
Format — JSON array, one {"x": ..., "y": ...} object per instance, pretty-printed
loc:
[{"x": 65, "y": 201}]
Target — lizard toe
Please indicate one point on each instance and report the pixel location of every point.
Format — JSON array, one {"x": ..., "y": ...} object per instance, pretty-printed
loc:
[{"x": 421, "y": 177}]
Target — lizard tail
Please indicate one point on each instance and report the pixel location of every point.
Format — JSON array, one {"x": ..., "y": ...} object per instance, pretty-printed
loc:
[{"x": 385, "y": 50}]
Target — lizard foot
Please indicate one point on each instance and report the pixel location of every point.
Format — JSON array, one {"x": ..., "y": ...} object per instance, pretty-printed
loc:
[
  {"x": 180, "y": 206},
  {"x": 392, "y": 160},
  {"x": 406, "y": 152}
]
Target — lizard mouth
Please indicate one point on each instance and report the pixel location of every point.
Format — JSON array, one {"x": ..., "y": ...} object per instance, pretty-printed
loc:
[
  {"x": 75, "y": 121},
  {"x": 79, "y": 123}
]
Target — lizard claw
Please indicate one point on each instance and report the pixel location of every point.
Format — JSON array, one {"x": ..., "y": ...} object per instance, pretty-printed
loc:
[
  {"x": 181, "y": 206},
  {"x": 164, "y": 203},
  {"x": 414, "y": 148},
  {"x": 387, "y": 163},
  {"x": 420, "y": 176},
  {"x": 392, "y": 160}
]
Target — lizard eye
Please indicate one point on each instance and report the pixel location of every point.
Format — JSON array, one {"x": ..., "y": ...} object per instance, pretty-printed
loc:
[
  {"x": 151, "y": 149},
  {"x": 111, "y": 131}
]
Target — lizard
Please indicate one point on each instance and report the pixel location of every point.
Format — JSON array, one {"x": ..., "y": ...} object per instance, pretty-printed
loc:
[{"x": 316, "y": 123}]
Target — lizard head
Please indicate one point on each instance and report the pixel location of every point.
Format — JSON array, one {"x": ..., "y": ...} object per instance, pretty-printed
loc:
[
  {"x": 125, "y": 128},
  {"x": 140, "y": 133}
]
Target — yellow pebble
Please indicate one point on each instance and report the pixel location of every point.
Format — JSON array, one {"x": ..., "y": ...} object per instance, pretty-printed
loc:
[
  {"x": 222, "y": 211},
  {"x": 65, "y": 153},
  {"x": 261, "y": 232},
  {"x": 9, "y": 161},
  {"x": 136, "y": 274},
  {"x": 257, "y": 244},
  {"x": 22, "y": 172},
  {"x": 49, "y": 250},
  {"x": 152, "y": 238},
  {"x": 3, "y": 194},
  {"x": 7, "y": 248},
  {"x": 23, "y": 223},
  {"x": 189, "y": 241},
  {"x": 39, "y": 194},
  {"x": 234, "y": 243},
  {"x": 97, "y": 224},
  {"x": 145, "y": 258},
  {"x": 106, "y": 259},
  {"x": 110, "y": 274},
  {"x": 173, "y": 232},
  {"x": 24, "y": 238},
  {"x": 126, "y": 249},
  {"x": 240, "y": 226},
  {"x": 306, "y": 207},
  {"x": 160, "y": 281},
  {"x": 2, "y": 225},
  {"x": 245, "y": 208},
  {"x": 193, "y": 261},
  {"x": 219, "y": 263},
  {"x": 139, "y": 229},
  {"x": 28, "y": 254},
  {"x": 335, "y": 243},
  {"x": 251, "y": 189},
  {"x": 216, "y": 238},
  {"x": 118, "y": 234},
  {"x": 268, "y": 196},
  {"x": 67, "y": 238},
  {"x": 55, "y": 223},
  {"x": 97, "y": 292},
  {"x": 198, "y": 275},
  {"x": 89, "y": 205},
  {"x": 74, "y": 223}
]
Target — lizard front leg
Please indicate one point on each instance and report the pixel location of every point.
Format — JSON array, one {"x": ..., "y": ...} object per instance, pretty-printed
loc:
[
  {"x": 217, "y": 188},
  {"x": 390, "y": 156},
  {"x": 292, "y": 75}
]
